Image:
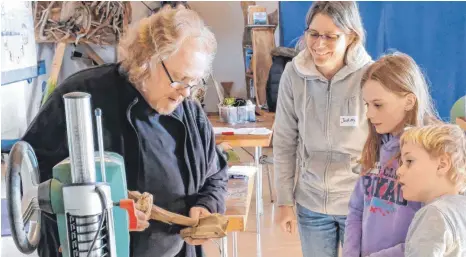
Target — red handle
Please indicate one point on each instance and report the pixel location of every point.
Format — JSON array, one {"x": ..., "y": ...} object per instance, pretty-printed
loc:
[
  {"x": 128, "y": 205},
  {"x": 228, "y": 133}
]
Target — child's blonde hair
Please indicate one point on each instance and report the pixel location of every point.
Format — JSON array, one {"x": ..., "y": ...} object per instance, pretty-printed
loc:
[
  {"x": 399, "y": 74},
  {"x": 442, "y": 139}
]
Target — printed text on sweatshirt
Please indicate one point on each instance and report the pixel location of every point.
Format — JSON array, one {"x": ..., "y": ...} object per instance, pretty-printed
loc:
[{"x": 379, "y": 216}]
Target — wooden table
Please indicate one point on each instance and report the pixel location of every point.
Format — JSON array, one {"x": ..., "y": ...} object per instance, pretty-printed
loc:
[
  {"x": 237, "y": 209},
  {"x": 238, "y": 202},
  {"x": 263, "y": 120}
]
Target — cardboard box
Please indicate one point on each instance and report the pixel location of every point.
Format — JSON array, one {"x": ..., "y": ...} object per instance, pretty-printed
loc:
[{"x": 256, "y": 9}]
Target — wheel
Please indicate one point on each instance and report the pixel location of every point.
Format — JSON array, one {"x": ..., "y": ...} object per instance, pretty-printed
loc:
[{"x": 22, "y": 180}]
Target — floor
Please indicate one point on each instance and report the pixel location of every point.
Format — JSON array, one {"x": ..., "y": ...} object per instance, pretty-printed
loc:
[{"x": 274, "y": 242}]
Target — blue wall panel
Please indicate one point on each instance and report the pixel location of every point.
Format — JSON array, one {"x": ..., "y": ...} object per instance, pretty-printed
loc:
[{"x": 433, "y": 33}]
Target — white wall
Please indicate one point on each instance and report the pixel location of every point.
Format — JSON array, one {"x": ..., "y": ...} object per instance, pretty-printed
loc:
[
  {"x": 227, "y": 23},
  {"x": 224, "y": 18}
]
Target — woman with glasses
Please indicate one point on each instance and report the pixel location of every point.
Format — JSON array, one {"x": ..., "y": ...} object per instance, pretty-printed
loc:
[{"x": 321, "y": 127}]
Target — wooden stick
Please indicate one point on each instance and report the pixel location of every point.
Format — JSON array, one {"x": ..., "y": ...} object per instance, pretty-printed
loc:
[
  {"x": 57, "y": 61},
  {"x": 163, "y": 215},
  {"x": 92, "y": 54}
]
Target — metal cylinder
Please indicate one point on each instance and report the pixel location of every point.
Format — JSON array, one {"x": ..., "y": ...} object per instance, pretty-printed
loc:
[{"x": 80, "y": 136}]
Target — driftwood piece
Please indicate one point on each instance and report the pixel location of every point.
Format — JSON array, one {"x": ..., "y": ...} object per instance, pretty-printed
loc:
[
  {"x": 96, "y": 22},
  {"x": 212, "y": 226},
  {"x": 263, "y": 41},
  {"x": 273, "y": 18}
]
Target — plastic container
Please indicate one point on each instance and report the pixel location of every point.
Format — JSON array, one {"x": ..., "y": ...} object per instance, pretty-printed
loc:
[
  {"x": 243, "y": 115},
  {"x": 251, "y": 111},
  {"x": 228, "y": 114},
  {"x": 233, "y": 115}
]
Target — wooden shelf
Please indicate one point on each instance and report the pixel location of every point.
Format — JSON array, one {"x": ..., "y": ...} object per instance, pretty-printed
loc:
[{"x": 266, "y": 26}]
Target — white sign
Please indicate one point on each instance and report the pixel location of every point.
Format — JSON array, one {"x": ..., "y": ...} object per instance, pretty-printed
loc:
[
  {"x": 19, "y": 54},
  {"x": 348, "y": 121}
]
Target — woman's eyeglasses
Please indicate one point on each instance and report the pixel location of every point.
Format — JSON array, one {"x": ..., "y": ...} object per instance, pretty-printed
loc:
[{"x": 330, "y": 38}]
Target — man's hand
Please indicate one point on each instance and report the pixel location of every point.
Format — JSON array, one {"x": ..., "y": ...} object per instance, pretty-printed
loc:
[
  {"x": 196, "y": 213},
  {"x": 143, "y": 220}
]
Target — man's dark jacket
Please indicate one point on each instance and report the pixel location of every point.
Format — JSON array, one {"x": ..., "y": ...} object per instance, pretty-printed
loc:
[{"x": 116, "y": 96}]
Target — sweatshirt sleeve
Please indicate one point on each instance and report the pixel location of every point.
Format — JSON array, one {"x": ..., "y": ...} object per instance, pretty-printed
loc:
[
  {"x": 285, "y": 141},
  {"x": 429, "y": 235},
  {"x": 353, "y": 228}
]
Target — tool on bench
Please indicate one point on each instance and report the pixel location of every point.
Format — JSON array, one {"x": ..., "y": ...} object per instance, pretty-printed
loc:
[
  {"x": 82, "y": 192},
  {"x": 208, "y": 227}
]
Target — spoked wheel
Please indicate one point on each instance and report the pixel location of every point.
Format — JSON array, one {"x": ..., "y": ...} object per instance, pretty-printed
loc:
[{"x": 22, "y": 181}]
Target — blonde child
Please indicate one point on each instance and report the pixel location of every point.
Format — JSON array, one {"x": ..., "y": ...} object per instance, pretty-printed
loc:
[
  {"x": 396, "y": 96},
  {"x": 433, "y": 172}
]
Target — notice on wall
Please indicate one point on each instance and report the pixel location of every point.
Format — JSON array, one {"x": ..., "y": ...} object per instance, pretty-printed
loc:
[{"x": 19, "y": 54}]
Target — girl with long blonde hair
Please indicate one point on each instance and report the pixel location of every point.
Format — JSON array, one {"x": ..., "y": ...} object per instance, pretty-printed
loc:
[{"x": 396, "y": 95}]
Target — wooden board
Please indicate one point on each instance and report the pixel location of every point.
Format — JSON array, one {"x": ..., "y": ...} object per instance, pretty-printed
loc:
[
  {"x": 238, "y": 203},
  {"x": 246, "y": 35},
  {"x": 263, "y": 42},
  {"x": 57, "y": 61}
]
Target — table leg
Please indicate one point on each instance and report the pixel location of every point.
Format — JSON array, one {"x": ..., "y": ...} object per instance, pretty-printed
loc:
[
  {"x": 259, "y": 205},
  {"x": 224, "y": 246},
  {"x": 235, "y": 244},
  {"x": 259, "y": 243}
]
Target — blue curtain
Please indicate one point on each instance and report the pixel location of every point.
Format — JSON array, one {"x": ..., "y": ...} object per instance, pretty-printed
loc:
[{"x": 433, "y": 33}]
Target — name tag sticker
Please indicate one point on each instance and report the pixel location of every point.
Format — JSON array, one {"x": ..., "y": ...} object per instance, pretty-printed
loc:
[{"x": 348, "y": 121}]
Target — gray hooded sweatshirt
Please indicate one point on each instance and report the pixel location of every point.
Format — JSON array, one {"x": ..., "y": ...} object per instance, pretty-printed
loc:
[{"x": 333, "y": 126}]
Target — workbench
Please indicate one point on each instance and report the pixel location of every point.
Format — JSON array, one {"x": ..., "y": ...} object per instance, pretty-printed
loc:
[
  {"x": 263, "y": 120},
  {"x": 238, "y": 203}
]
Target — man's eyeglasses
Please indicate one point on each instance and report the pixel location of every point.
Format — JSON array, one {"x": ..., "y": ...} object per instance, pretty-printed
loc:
[
  {"x": 314, "y": 35},
  {"x": 179, "y": 84}
]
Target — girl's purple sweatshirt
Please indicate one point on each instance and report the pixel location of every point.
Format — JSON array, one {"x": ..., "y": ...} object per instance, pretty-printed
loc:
[{"x": 379, "y": 216}]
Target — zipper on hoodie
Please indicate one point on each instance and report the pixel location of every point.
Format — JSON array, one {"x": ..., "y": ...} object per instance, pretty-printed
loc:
[
  {"x": 185, "y": 150},
  {"x": 128, "y": 116},
  {"x": 327, "y": 134}
]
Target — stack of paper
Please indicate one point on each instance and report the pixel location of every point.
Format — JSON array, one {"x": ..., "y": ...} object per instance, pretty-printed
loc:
[{"x": 247, "y": 171}]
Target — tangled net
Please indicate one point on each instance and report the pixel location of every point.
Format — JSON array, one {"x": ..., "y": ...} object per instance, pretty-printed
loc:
[{"x": 97, "y": 22}]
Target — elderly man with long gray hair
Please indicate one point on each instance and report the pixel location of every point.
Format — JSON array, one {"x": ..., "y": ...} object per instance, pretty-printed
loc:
[{"x": 165, "y": 138}]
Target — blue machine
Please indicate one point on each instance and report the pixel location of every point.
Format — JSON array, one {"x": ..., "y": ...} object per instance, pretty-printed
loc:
[{"x": 82, "y": 192}]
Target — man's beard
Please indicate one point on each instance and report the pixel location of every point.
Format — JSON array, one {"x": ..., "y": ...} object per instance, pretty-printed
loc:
[{"x": 166, "y": 110}]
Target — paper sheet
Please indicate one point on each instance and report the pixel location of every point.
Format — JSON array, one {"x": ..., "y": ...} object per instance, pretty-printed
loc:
[
  {"x": 247, "y": 171},
  {"x": 243, "y": 131}
]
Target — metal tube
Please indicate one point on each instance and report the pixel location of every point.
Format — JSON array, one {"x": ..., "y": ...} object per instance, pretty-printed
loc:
[
  {"x": 224, "y": 246},
  {"x": 80, "y": 136},
  {"x": 235, "y": 244},
  {"x": 98, "y": 117}
]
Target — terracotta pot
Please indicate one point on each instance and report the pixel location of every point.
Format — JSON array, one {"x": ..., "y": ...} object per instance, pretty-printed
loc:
[{"x": 227, "y": 86}]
